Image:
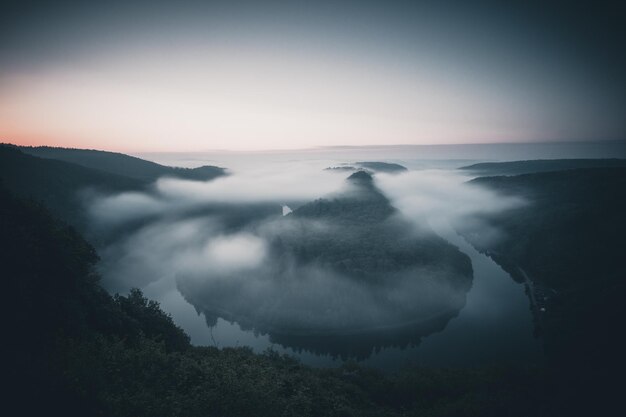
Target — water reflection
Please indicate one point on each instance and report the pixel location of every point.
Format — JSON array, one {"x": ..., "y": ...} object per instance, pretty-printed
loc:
[{"x": 362, "y": 345}]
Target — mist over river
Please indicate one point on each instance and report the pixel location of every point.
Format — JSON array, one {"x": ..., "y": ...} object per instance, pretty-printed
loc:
[
  {"x": 494, "y": 327},
  {"x": 185, "y": 235}
]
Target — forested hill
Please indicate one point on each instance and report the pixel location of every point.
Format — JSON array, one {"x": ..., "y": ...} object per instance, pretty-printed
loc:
[
  {"x": 366, "y": 239},
  {"x": 381, "y": 166},
  {"x": 370, "y": 166},
  {"x": 568, "y": 242},
  {"x": 570, "y": 229},
  {"x": 540, "y": 165},
  {"x": 56, "y": 314},
  {"x": 57, "y": 183},
  {"x": 365, "y": 204},
  {"x": 121, "y": 164}
]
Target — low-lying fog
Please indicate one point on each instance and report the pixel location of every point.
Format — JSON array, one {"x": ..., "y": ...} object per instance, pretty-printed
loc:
[{"x": 214, "y": 248}]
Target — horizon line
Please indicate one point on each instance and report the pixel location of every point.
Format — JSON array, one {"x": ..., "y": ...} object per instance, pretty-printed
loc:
[{"x": 329, "y": 147}]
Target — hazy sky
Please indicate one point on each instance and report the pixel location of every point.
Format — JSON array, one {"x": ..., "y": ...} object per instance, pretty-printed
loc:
[{"x": 247, "y": 75}]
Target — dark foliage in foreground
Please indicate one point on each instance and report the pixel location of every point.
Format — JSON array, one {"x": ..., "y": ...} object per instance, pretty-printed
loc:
[{"x": 75, "y": 350}]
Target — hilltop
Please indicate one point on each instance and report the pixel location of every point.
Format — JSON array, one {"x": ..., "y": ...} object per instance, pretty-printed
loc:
[
  {"x": 540, "y": 165},
  {"x": 370, "y": 167},
  {"x": 62, "y": 184},
  {"x": 121, "y": 164}
]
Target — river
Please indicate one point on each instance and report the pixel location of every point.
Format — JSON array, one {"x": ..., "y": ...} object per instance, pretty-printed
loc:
[{"x": 494, "y": 327}]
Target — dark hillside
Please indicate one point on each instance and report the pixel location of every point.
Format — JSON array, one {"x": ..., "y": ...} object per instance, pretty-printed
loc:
[
  {"x": 121, "y": 164},
  {"x": 57, "y": 183},
  {"x": 567, "y": 244},
  {"x": 55, "y": 303},
  {"x": 540, "y": 165},
  {"x": 381, "y": 166}
]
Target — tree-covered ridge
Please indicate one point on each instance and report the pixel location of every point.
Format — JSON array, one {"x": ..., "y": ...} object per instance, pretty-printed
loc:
[
  {"x": 55, "y": 300},
  {"x": 367, "y": 237},
  {"x": 540, "y": 165},
  {"x": 370, "y": 166},
  {"x": 50, "y": 267},
  {"x": 62, "y": 185},
  {"x": 381, "y": 166},
  {"x": 567, "y": 244},
  {"x": 571, "y": 228},
  {"x": 363, "y": 204},
  {"x": 121, "y": 164},
  {"x": 75, "y": 350},
  {"x": 57, "y": 183}
]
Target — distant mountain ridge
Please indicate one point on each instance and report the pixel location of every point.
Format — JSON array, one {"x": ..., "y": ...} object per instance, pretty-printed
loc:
[
  {"x": 540, "y": 165},
  {"x": 370, "y": 166},
  {"x": 121, "y": 164}
]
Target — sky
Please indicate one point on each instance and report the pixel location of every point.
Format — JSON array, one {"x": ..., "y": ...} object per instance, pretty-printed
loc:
[{"x": 253, "y": 75}]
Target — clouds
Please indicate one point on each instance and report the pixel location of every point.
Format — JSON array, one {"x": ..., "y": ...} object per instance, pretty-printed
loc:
[
  {"x": 124, "y": 207},
  {"x": 286, "y": 182},
  {"x": 436, "y": 195},
  {"x": 154, "y": 253},
  {"x": 235, "y": 252},
  {"x": 276, "y": 184}
]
